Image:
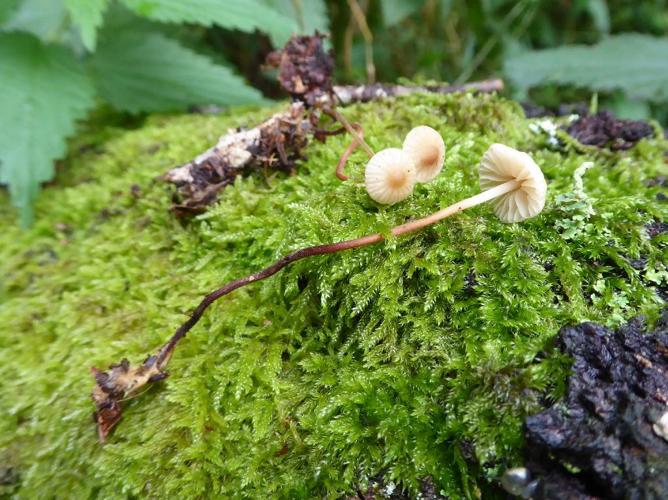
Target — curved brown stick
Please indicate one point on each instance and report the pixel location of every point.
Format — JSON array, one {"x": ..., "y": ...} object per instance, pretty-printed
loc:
[{"x": 341, "y": 165}]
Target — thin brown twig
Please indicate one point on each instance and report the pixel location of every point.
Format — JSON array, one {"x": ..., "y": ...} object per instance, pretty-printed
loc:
[{"x": 341, "y": 165}]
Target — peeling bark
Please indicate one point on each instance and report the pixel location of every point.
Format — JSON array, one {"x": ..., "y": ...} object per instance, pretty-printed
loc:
[{"x": 274, "y": 144}]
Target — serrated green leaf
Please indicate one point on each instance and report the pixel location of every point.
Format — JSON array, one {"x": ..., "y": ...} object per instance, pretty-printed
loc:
[
  {"x": 43, "y": 18},
  {"x": 43, "y": 91},
  {"x": 87, "y": 15},
  {"x": 149, "y": 72},
  {"x": 244, "y": 15},
  {"x": 636, "y": 64},
  {"x": 310, "y": 15}
]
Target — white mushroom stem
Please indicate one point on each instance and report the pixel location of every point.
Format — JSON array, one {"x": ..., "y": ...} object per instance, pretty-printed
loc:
[
  {"x": 490, "y": 194},
  {"x": 358, "y": 138}
]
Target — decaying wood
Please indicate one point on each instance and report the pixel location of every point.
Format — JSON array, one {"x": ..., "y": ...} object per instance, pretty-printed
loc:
[
  {"x": 278, "y": 142},
  {"x": 351, "y": 94}
]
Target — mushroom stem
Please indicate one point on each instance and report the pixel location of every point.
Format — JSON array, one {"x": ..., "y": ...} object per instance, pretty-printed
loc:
[
  {"x": 479, "y": 198},
  {"x": 340, "y": 246},
  {"x": 341, "y": 165},
  {"x": 351, "y": 130},
  {"x": 166, "y": 350}
]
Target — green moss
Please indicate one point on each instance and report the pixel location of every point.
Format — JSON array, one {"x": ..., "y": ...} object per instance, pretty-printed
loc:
[{"x": 388, "y": 358}]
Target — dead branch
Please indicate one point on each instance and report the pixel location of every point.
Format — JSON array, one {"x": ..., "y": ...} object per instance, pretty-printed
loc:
[
  {"x": 351, "y": 94},
  {"x": 275, "y": 143}
]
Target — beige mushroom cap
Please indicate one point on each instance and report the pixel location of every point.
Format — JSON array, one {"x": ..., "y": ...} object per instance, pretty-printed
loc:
[
  {"x": 390, "y": 176},
  {"x": 427, "y": 149},
  {"x": 501, "y": 164}
]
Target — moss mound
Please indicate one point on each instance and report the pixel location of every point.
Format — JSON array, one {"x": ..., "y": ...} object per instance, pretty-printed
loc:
[{"x": 414, "y": 358}]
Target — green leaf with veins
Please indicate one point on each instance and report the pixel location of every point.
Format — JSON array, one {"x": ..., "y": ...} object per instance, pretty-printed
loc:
[
  {"x": 636, "y": 64},
  {"x": 150, "y": 72},
  {"x": 43, "y": 91},
  {"x": 88, "y": 16},
  {"x": 244, "y": 15}
]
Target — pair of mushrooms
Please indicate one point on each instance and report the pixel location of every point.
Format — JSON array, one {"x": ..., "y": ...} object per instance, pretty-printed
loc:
[
  {"x": 509, "y": 177},
  {"x": 392, "y": 173}
]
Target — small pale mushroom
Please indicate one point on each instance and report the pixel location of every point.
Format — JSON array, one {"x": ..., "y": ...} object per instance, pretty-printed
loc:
[
  {"x": 390, "y": 176},
  {"x": 515, "y": 182},
  {"x": 502, "y": 164},
  {"x": 425, "y": 145}
]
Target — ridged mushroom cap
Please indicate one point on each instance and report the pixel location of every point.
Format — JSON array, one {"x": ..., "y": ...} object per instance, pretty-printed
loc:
[
  {"x": 501, "y": 164},
  {"x": 427, "y": 149},
  {"x": 390, "y": 176}
]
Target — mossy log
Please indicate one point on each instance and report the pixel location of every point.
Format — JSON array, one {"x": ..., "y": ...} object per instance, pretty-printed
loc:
[{"x": 416, "y": 358}]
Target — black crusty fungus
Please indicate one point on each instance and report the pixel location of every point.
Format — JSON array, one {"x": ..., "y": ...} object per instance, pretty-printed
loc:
[{"x": 601, "y": 441}]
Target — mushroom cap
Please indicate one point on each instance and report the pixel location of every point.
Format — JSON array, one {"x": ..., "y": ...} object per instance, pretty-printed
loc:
[
  {"x": 501, "y": 164},
  {"x": 390, "y": 176},
  {"x": 427, "y": 149}
]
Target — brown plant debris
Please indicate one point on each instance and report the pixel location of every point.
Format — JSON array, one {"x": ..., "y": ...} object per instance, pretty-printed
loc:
[
  {"x": 305, "y": 72},
  {"x": 304, "y": 69},
  {"x": 605, "y": 131},
  {"x": 123, "y": 381},
  {"x": 276, "y": 143},
  {"x": 351, "y": 94},
  {"x": 601, "y": 441}
]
